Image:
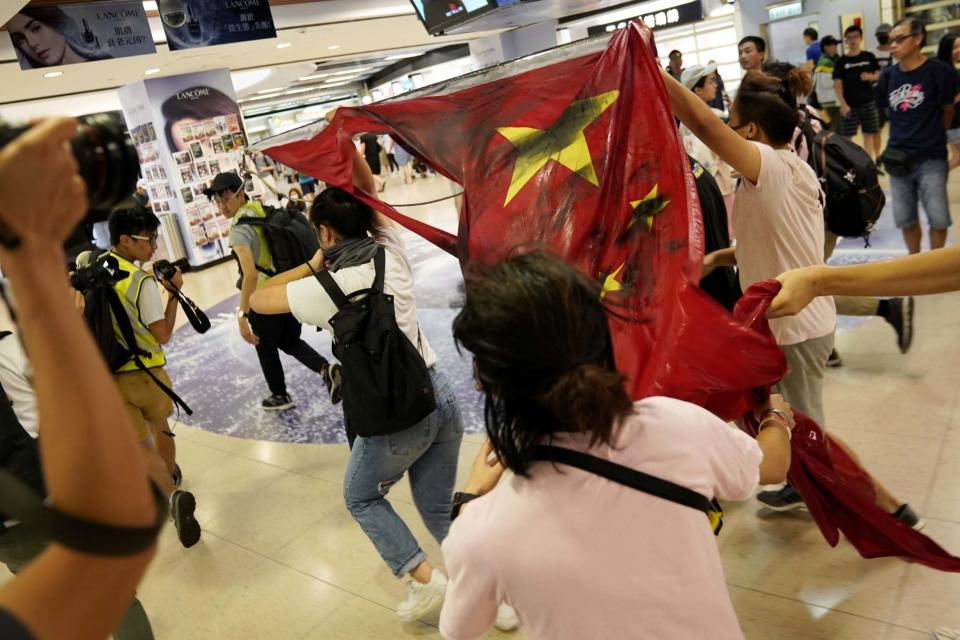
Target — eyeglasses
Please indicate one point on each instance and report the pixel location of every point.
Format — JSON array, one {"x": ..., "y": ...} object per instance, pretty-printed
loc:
[
  {"x": 222, "y": 196},
  {"x": 851, "y": 37},
  {"x": 900, "y": 39},
  {"x": 737, "y": 127},
  {"x": 151, "y": 239}
]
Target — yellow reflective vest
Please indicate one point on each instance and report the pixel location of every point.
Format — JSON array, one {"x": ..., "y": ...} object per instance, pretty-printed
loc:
[
  {"x": 129, "y": 291},
  {"x": 254, "y": 209}
]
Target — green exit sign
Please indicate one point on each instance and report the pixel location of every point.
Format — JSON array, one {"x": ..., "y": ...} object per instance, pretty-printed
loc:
[{"x": 786, "y": 10}]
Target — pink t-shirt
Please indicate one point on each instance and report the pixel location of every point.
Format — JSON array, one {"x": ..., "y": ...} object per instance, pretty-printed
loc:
[
  {"x": 579, "y": 556},
  {"x": 778, "y": 223}
]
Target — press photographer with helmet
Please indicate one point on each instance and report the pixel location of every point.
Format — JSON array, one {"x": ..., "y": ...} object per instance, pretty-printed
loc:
[
  {"x": 80, "y": 586},
  {"x": 133, "y": 239}
]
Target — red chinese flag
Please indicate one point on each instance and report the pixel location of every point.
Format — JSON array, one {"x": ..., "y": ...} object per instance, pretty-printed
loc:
[{"x": 582, "y": 157}]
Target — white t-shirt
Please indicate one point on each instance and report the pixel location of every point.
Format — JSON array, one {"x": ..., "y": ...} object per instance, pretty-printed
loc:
[
  {"x": 310, "y": 304},
  {"x": 579, "y": 556},
  {"x": 15, "y": 376},
  {"x": 150, "y": 304},
  {"x": 778, "y": 224}
]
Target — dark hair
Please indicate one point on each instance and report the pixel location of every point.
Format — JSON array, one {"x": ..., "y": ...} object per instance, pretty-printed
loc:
[
  {"x": 854, "y": 28},
  {"x": 811, "y": 33},
  {"x": 758, "y": 42},
  {"x": 675, "y": 51},
  {"x": 917, "y": 28},
  {"x": 702, "y": 82},
  {"x": 213, "y": 103},
  {"x": 945, "y": 49},
  {"x": 771, "y": 102},
  {"x": 130, "y": 218},
  {"x": 55, "y": 19},
  {"x": 538, "y": 332},
  {"x": 340, "y": 211}
]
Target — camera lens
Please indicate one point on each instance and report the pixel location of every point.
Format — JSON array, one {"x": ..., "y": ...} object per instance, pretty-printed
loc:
[{"x": 107, "y": 161}]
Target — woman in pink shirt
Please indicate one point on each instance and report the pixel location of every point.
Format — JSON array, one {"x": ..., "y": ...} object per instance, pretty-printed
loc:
[{"x": 576, "y": 554}]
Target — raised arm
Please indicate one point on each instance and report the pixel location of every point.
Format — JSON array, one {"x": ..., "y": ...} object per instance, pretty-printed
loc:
[
  {"x": 935, "y": 271},
  {"x": 739, "y": 153},
  {"x": 92, "y": 465}
]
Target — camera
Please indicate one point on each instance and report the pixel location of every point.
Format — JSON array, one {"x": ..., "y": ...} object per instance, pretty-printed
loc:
[
  {"x": 93, "y": 272},
  {"x": 164, "y": 269},
  {"x": 106, "y": 160}
]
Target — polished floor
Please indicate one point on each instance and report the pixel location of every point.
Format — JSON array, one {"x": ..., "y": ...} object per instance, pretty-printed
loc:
[{"x": 282, "y": 558}]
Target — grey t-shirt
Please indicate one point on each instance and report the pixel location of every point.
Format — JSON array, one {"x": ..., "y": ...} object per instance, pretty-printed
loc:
[{"x": 245, "y": 234}]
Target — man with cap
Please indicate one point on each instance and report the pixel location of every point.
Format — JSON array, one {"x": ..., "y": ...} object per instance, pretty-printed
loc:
[
  {"x": 823, "y": 82},
  {"x": 702, "y": 80},
  {"x": 269, "y": 334}
]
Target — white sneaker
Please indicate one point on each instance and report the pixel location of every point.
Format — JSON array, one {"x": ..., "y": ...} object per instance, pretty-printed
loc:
[
  {"x": 507, "y": 619},
  {"x": 423, "y": 599}
]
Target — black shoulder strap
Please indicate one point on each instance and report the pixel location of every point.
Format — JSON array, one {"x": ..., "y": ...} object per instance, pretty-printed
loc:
[
  {"x": 22, "y": 503},
  {"x": 624, "y": 475},
  {"x": 331, "y": 287},
  {"x": 126, "y": 329},
  {"x": 4, "y": 334},
  {"x": 380, "y": 268}
]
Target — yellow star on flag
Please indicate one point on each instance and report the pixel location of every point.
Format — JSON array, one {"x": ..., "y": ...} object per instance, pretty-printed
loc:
[
  {"x": 650, "y": 205},
  {"x": 611, "y": 283},
  {"x": 564, "y": 142}
]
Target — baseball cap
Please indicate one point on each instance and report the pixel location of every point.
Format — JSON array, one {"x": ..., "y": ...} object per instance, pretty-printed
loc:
[
  {"x": 691, "y": 75},
  {"x": 827, "y": 41},
  {"x": 224, "y": 182},
  {"x": 884, "y": 28}
]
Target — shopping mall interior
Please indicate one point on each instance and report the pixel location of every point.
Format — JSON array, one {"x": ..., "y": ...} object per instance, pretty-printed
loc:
[{"x": 286, "y": 95}]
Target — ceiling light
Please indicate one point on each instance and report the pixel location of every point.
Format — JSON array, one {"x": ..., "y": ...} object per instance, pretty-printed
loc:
[
  {"x": 150, "y": 5},
  {"x": 284, "y": 45},
  {"x": 150, "y": 72},
  {"x": 53, "y": 74},
  {"x": 337, "y": 84},
  {"x": 348, "y": 72},
  {"x": 366, "y": 100},
  {"x": 316, "y": 76},
  {"x": 276, "y": 90},
  {"x": 333, "y": 46},
  {"x": 401, "y": 56},
  {"x": 303, "y": 90},
  {"x": 341, "y": 80}
]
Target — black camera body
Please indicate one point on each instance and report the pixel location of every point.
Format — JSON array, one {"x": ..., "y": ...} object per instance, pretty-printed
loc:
[
  {"x": 164, "y": 269},
  {"x": 103, "y": 271},
  {"x": 106, "y": 160}
]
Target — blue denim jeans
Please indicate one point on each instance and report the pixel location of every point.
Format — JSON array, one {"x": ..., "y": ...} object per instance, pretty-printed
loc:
[
  {"x": 928, "y": 185},
  {"x": 429, "y": 451}
]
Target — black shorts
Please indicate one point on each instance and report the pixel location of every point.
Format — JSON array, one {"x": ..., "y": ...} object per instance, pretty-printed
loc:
[{"x": 866, "y": 115}]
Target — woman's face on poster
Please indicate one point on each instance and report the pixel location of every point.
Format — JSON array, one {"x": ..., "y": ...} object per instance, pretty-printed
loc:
[{"x": 43, "y": 45}]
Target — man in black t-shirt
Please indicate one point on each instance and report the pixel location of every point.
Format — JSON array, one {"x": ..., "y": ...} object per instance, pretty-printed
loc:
[
  {"x": 919, "y": 96},
  {"x": 853, "y": 77}
]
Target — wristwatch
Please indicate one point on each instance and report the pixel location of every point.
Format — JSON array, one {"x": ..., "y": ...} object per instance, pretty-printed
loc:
[
  {"x": 460, "y": 499},
  {"x": 242, "y": 314}
]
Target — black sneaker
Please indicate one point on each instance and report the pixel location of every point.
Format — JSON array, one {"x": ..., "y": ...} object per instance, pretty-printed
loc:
[
  {"x": 182, "y": 506},
  {"x": 785, "y": 499},
  {"x": 906, "y": 515},
  {"x": 278, "y": 402},
  {"x": 177, "y": 476},
  {"x": 834, "y": 359},
  {"x": 900, "y": 317}
]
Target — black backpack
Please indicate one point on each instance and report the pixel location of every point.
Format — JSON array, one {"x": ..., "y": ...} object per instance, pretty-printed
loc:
[
  {"x": 291, "y": 238},
  {"x": 854, "y": 199},
  {"x": 386, "y": 384},
  {"x": 19, "y": 454}
]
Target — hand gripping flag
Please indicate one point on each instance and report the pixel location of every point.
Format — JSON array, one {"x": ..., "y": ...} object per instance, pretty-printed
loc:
[{"x": 581, "y": 156}]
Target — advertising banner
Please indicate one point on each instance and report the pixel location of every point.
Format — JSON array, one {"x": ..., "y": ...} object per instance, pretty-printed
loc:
[
  {"x": 191, "y": 23},
  {"x": 51, "y": 36},
  {"x": 192, "y": 129}
]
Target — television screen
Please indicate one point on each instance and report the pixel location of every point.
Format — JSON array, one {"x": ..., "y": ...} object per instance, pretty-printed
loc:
[{"x": 440, "y": 15}]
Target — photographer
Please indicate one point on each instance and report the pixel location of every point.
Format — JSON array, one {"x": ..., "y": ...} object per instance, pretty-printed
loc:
[
  {"x": 133, "y": 236},
  {"x": 91, "y": 468}
]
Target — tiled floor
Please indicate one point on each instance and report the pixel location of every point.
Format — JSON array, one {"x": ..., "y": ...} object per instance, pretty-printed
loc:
[{"x": 281, "y": 557}]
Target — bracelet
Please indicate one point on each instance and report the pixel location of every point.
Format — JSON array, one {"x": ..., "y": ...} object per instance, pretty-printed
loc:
[
  {"x": 779, "y": 424},
  {"x": 782, "y": 414}
]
